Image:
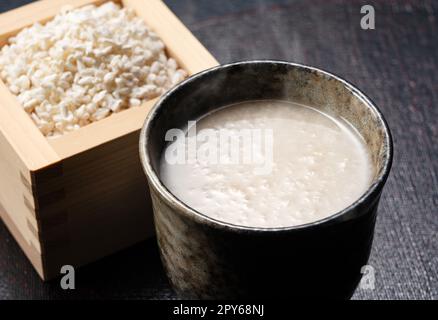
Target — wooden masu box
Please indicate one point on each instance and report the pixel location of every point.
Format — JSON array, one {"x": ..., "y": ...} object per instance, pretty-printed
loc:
[{"x": 82, "y": 196}]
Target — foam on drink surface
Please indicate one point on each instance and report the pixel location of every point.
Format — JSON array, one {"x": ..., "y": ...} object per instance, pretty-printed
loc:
[{"x": 320, "y": 166}]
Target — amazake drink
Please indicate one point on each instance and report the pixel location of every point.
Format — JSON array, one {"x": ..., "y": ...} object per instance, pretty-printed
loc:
[{"x": 267, "y": 164}]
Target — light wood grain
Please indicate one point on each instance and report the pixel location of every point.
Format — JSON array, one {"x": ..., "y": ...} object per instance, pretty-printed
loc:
[
  {"x": 32, "y": 254},
  {"x": 102, "y": 206},
  {"x": 82, "y": 196},
  {"x": 13, "y": 192},
  {"x": 25, "y": 138},
  {"x": 105, "y": 205}
]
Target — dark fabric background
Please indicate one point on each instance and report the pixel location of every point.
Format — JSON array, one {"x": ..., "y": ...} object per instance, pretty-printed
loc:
[{"x": 396, "y": 65}]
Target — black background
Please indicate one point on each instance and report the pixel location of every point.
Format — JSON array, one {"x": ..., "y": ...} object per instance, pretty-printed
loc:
[{"x": 396, "y": 65}]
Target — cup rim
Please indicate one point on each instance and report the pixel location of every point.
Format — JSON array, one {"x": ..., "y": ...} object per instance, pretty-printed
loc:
[{"x": 181, "y": 207}]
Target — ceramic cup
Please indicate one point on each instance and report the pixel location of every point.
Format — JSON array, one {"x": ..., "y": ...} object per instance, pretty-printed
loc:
[{"x": 208, "y": 259}]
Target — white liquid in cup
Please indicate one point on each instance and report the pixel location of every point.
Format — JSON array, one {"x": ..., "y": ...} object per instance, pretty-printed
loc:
[{"x": 298, "y": 166}]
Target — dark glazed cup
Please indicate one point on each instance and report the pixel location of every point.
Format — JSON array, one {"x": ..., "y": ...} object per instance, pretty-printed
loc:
[{"x": 209, "y": 259}]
